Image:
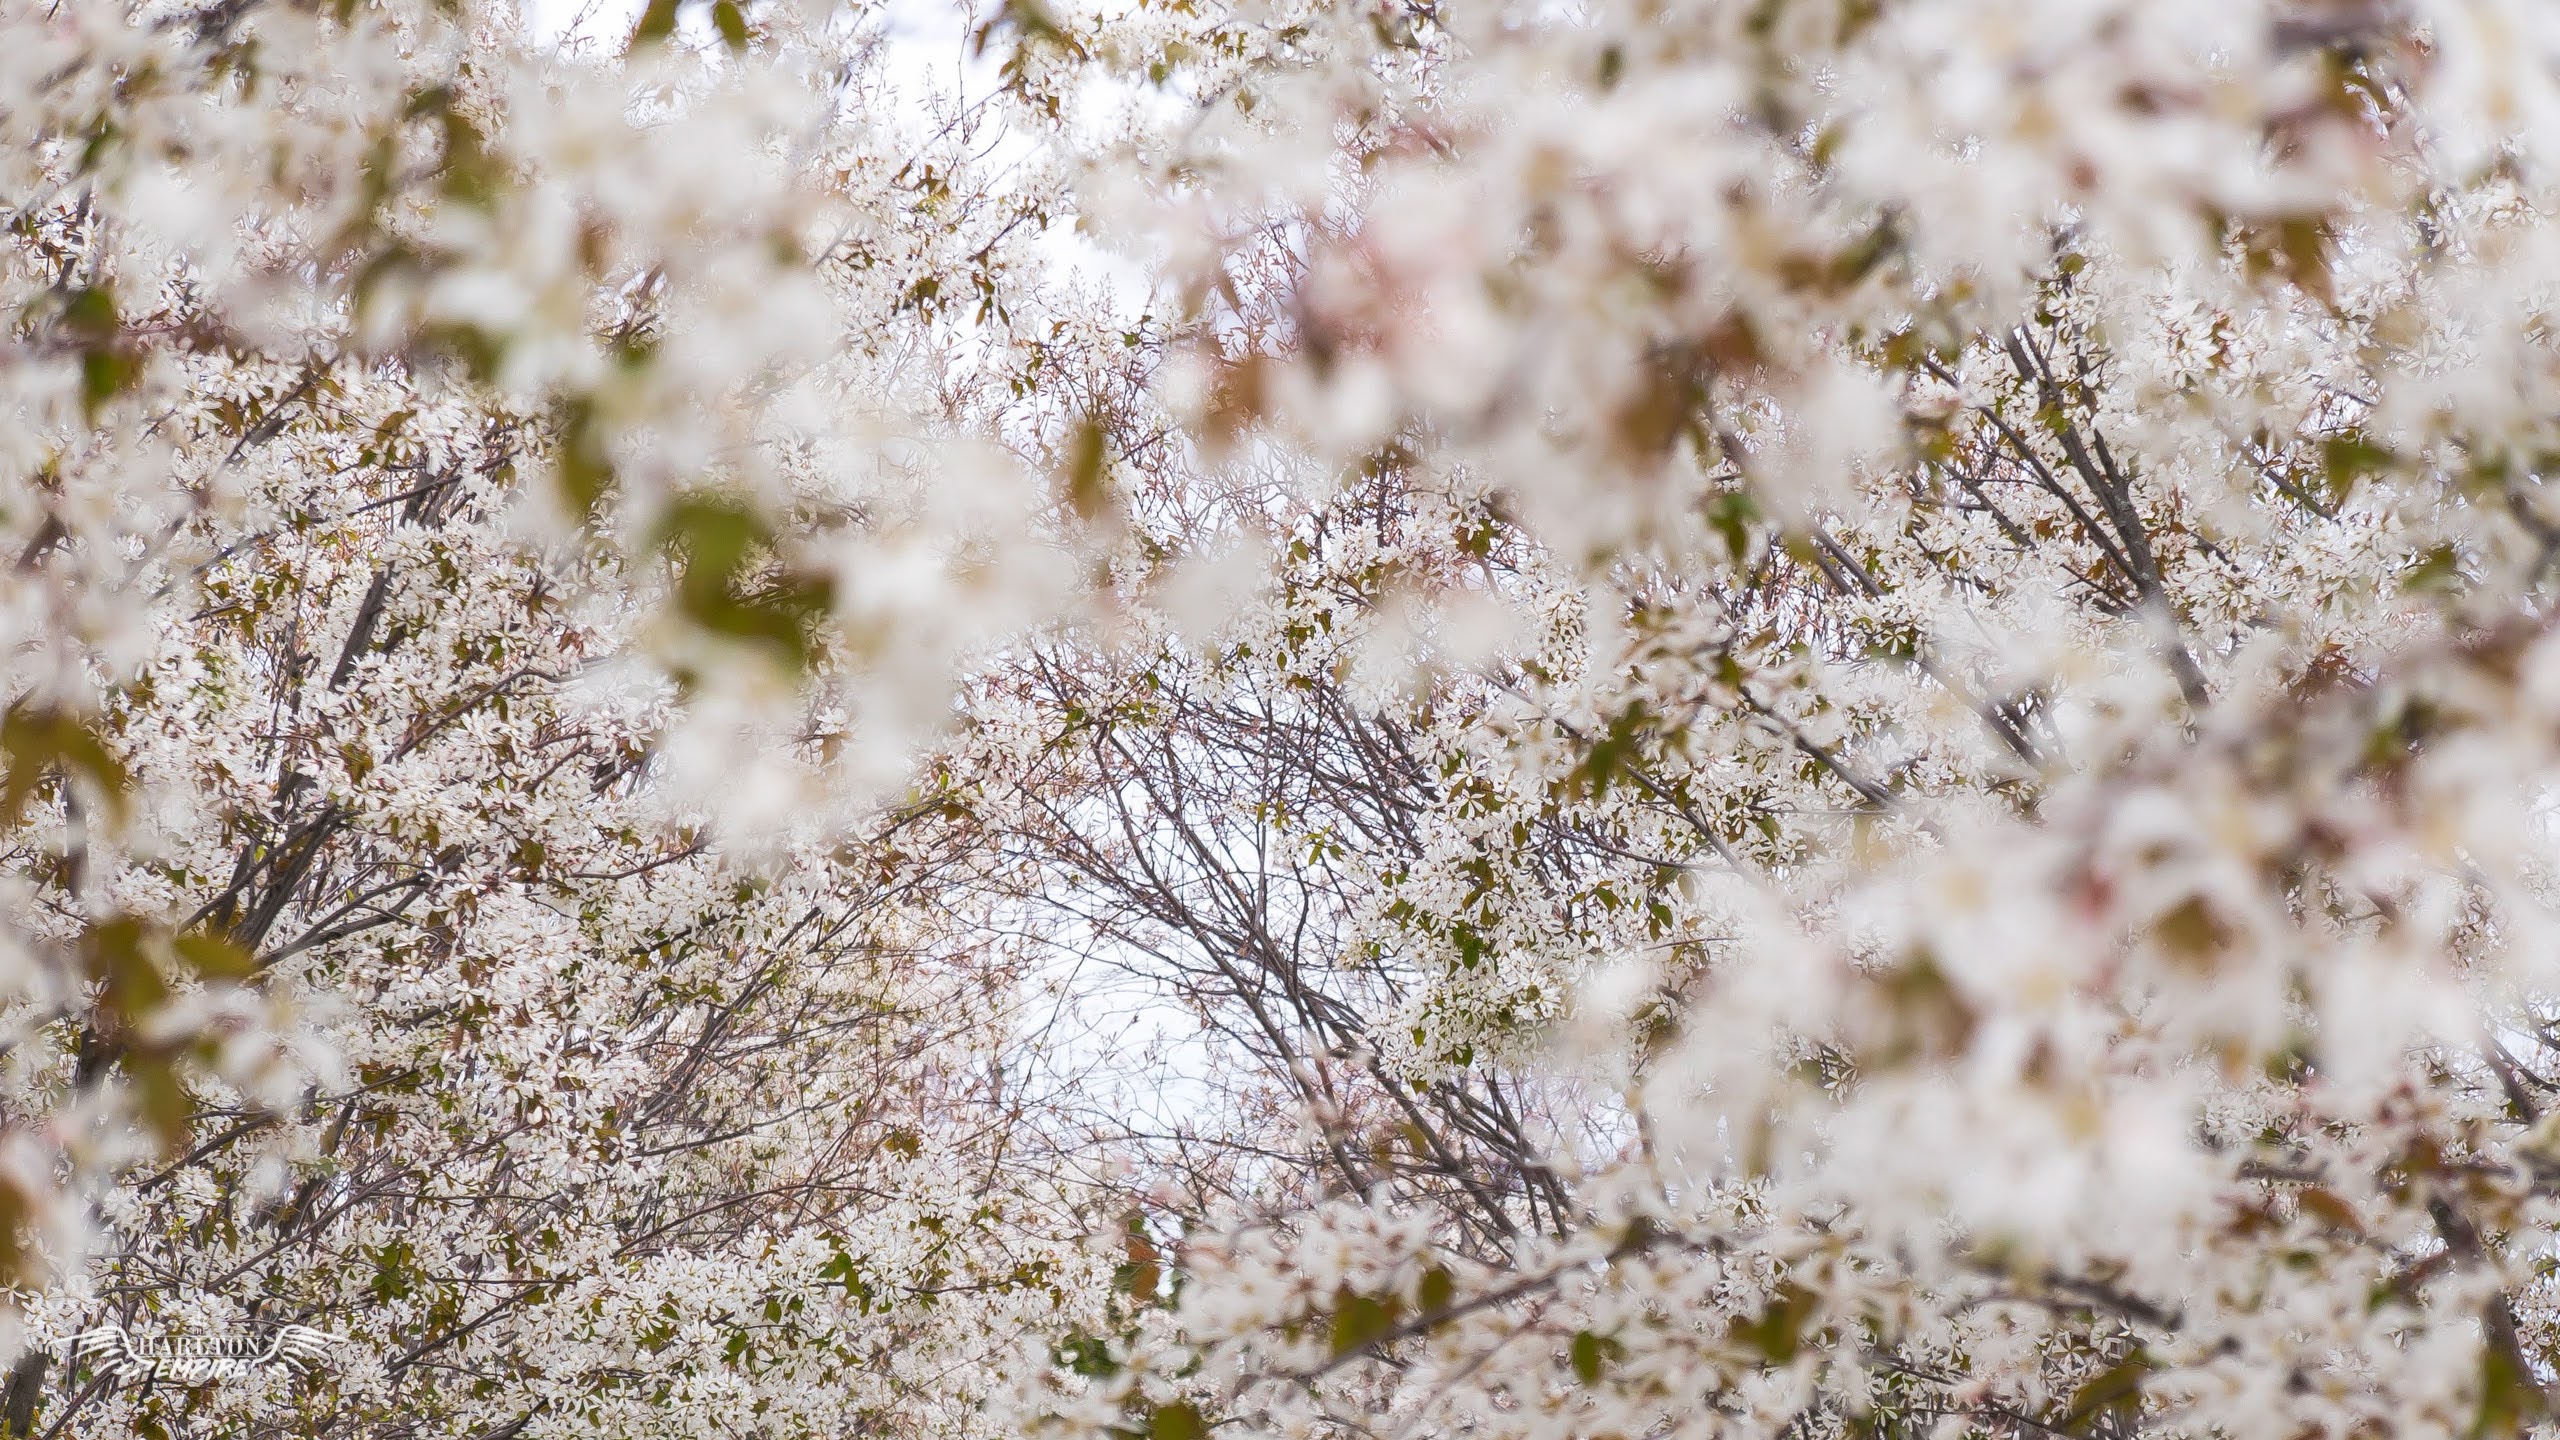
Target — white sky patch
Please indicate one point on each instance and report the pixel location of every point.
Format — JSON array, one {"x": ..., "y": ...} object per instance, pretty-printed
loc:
[
  {"x": 931, "y": 65},
  {"x": 928, "y": 51}
]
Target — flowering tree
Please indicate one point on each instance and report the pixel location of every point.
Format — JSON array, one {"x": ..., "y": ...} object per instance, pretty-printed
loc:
[
  {"x": 1834, "y": 717},
  {"x": 1965, "y": 850},
  {"x": 444, "y": 470}
]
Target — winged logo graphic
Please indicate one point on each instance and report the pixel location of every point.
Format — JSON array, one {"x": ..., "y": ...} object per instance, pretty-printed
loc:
[
  {"x": 299, "y": 1346},
  {"x": 111, "y": 1350},
  {"x": 114, "y": 1352}
]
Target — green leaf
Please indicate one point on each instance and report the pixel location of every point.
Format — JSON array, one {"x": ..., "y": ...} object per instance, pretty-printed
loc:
[
  {"x": 2118, "y": 1388},
  {"x": 656, "y": 23},
  {"x": 214, "y": 957},
  {"x": 731, "y": 22},
  {"x": 1360, "y": 1320},
  {"x": 586, "y": 476},
  {"x": 1778, "y": 1331},
  {"x": 392, "y": 1271},
  {"x": 117, "y": 959},
  {"x": 2437, "y": 569},
  {"x": 726, "y": 582},
  {"x": 89, "y": 315},
  {"x": 1730, "y": 516},
  {"x": 1088, "y": 1356},
  {"x": 106, "y": 372},
  {"x": 166, "y": 1107},
  {"x": 1088, "y": 471},
  {"x": 1611, "y": 753},
  {"x": 1593, "y": 1354},
  {"x": 1180, "y": 1420},
  {"x": 36, "y": 739},
  {"x": 1438, "y": 1290},
  {"x": 1030, "y": 19},
  {"x": 2509, "y": 1399},
  {"x": 2350, "y": 457}
]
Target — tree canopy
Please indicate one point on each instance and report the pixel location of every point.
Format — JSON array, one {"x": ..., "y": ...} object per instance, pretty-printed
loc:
[{"x": 1315, "y": 718}]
